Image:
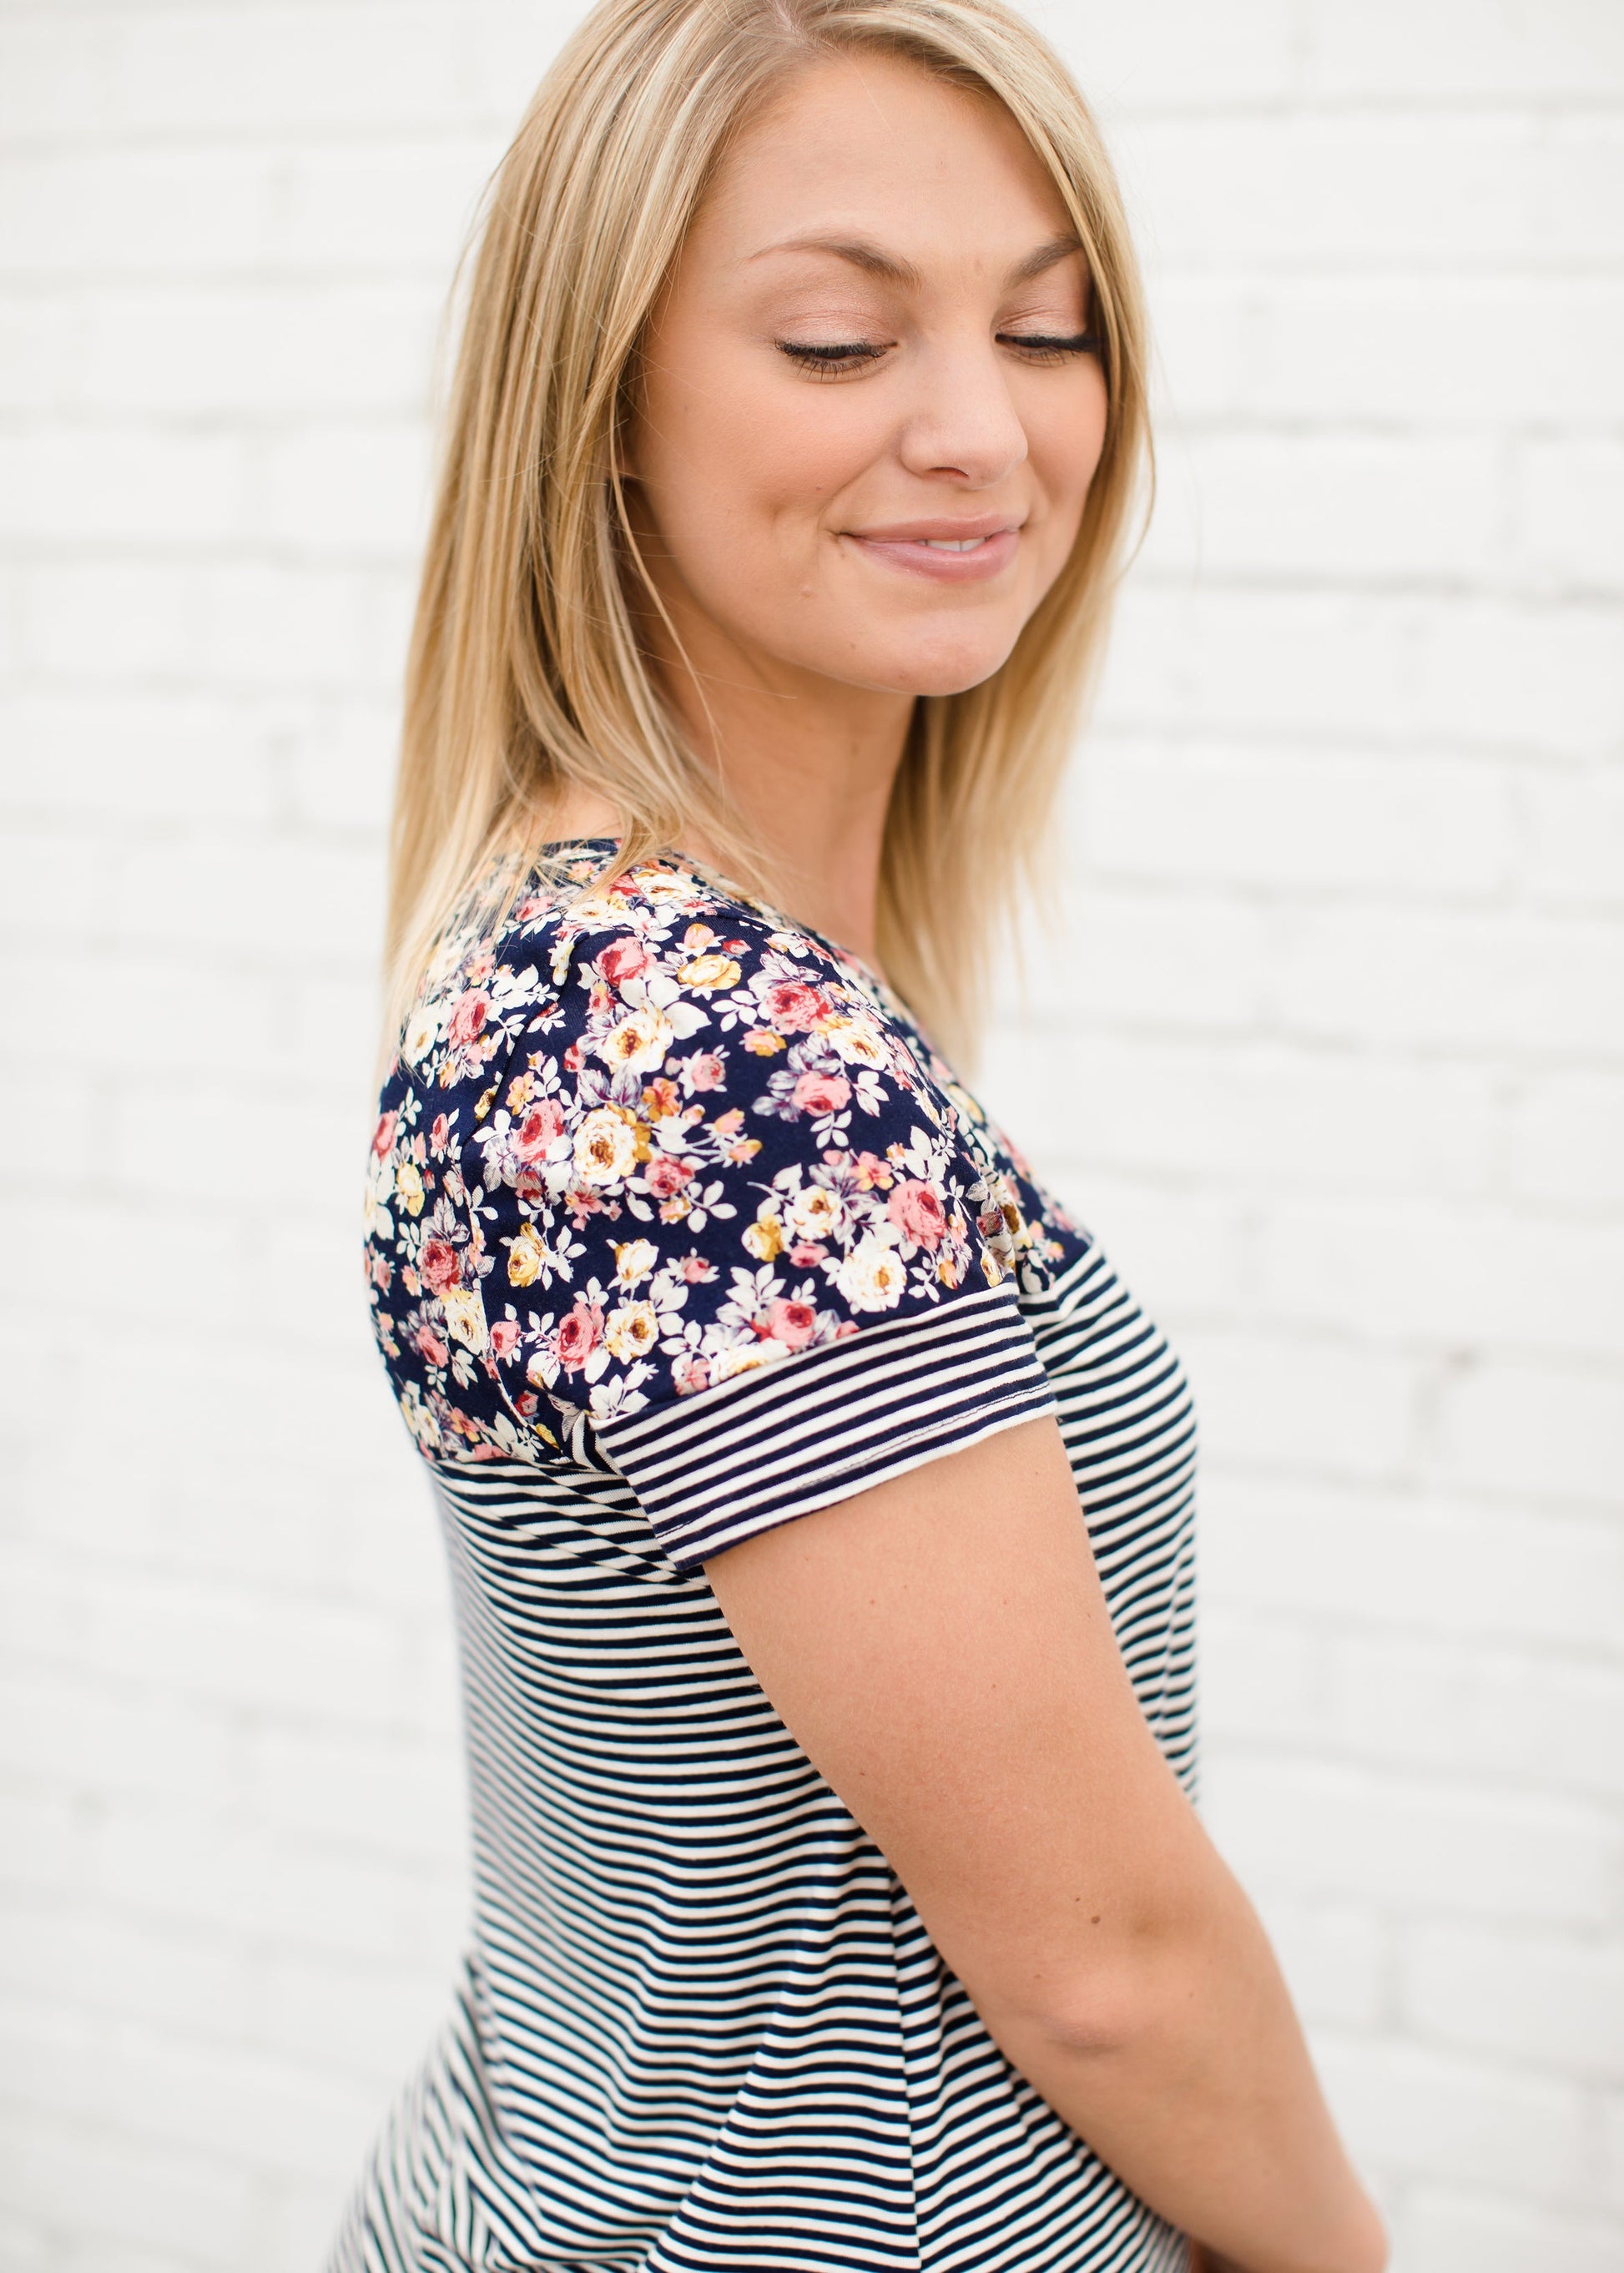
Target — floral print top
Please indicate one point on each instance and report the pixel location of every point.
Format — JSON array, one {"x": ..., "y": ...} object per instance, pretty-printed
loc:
[{"x": 639, "y": 1147}]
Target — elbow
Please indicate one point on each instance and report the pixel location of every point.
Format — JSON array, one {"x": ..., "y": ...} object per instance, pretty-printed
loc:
[{"x": 1109, "y": 2005}]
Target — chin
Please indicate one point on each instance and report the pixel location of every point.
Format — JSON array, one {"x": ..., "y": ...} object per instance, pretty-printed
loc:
[{"x": 949, "y": 667}]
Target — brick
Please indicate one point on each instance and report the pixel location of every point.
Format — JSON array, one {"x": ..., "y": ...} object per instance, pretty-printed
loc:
[
  {"x": 1540, "y": 1431},
  {"x": 1456, "y": 353},
  {"x": 87, "y": 1739},
  {"x": 1455, "y": 673},
  {"x": 1190, "y": 63},
  {"x": 25, "y": 2247},
  {"x": 1259, "y": 1116},
  {"x": 382, "y": 208},
  {"x": 1420, "y": 1271},
  {"x": 144, "y": 757},
  {"x": 193, "y": 1871},
  {"x": 114, "y": 480},
  {"x": 1446, "y": 2232},
  {"x": 1299, "y": 819},
  {"x": 1144, "y": 959},
  {"x": 300, "y": 2224},
  {"x": 1411, "y": 2111},
  {"x": 1566, "y": 1139},
  {"x": 1472, "y": 1707},
  {"x": 85, "y": 212},
  {"x": 1431, "y": 188},
  {"x": 263, "y": 897},
  {"x": 42, "y": 1840},
  {"x": 73, "y": 1953},
  {"x": 1458, "y": 53},
  {"x": 1454, "y": 980},
  {"x": 130, "y": 2193},
  {"x": 1264, "y": 1677},
  {"x": 262, "y": 351},
  {"x": 1291, "y": 1402},
  {"x": 1569, "y": 503},
  {"x": 339, "y": 772},
  {"x": 260, "y": 2113},
  {"x": 370, "y": 2022},
  {"x": 1613, "y": 2148},
  {"x": 383, "y": 1797},
  {"x": 1335, "y": 1957},
  {"x": 1404, "y": 1559},
  {"x": 1547, "y": 2000},
  {"x": 361, "y": 491},
  {"x": 329, "y": 1661},
  {"x": 1336, "y": 508},
  {"x": 1320, "y": 1832},
  {"x": 1576, "y": 841}
]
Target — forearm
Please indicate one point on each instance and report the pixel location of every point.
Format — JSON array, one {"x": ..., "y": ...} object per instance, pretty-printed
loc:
[{"x": 1197, "y": 2090}]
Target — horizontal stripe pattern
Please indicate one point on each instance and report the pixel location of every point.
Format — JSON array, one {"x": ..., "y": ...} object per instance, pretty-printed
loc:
[
  {"x": 700, "y": 2027},
  {"x": 823, "y": 1423}
]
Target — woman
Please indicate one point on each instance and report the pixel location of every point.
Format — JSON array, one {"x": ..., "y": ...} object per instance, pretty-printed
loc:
[{"x": 839, "y": 1899}]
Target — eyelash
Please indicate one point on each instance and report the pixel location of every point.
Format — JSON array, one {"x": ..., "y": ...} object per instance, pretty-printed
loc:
[{"x": 836, "y": 361}]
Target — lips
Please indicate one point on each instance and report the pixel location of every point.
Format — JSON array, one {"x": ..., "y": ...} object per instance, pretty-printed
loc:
[{"x": 946, "y": 551}]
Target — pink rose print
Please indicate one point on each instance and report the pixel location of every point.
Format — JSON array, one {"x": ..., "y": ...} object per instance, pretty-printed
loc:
[
  {"x": 795, "y": 1008},
  {"x": 536, "y": 1133},
  {"x": 468, "y": 1019},
  {"x": 806, "y": 1254},
  {"x": 579, "y": 1335},
  {"x": 504, "y": 1338},
  {"x": 917, "y": 1212},
  {"x": 383, "y": 1135},
  {"x": 623, "y": 959},
  {"x": 696, "y": 1270},
  {"x": 431, "y": 1346},
  {"x": 689, "y": 1376},
  {"x": 666, "y": 1177},
  {"x": 438, "y": 1265},
  {"x": 822, "y": 1093},
  {"x": 439, "y": 1135},
  {"x": 793, "y": 1323},
  {"x": 704, "y": 1071}
]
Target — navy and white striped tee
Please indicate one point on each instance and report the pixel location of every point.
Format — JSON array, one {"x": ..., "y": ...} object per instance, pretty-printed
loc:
[{"x": 677, "y": 1228}]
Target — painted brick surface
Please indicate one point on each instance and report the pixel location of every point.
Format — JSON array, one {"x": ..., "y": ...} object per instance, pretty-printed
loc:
[{"x": 1327, "y": 1044}]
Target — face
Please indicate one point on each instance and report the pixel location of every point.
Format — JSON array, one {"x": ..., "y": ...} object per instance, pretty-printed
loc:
[{"x": 869, "y": 412}]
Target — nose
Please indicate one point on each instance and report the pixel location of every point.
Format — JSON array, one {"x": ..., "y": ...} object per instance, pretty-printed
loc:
[{"x": 964, "y": 424}]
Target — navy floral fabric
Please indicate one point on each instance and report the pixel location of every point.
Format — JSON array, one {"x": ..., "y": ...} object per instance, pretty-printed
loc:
[{"x": 637, "y": 1146}]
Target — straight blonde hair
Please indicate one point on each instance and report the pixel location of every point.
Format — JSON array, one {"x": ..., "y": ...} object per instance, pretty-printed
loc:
[{"x": 526, "y": 676}]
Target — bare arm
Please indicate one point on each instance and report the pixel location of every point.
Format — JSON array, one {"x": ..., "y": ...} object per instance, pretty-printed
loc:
[{"x": 940, "y": 1647}]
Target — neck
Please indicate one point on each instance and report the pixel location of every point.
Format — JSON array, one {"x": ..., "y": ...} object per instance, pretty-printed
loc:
[{"x": 807, "y": 761}]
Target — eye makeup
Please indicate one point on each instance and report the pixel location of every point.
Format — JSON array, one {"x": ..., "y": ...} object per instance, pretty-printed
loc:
[{"x": 836, "y": 359}]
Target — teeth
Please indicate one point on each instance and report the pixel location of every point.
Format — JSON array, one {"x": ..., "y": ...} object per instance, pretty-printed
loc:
[{"x": 954, "y": 544}]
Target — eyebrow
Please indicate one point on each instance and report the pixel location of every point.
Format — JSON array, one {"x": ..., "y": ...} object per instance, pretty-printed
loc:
[{"x": 875, "y": 261}]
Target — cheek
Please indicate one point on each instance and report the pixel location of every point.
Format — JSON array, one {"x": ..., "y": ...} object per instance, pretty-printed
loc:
[
  {"x": 1064, "y": 440},
  {"x": 743, "y": 451}
]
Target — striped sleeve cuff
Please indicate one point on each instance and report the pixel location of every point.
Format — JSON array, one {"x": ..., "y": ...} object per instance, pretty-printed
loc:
[{"x": 815, "y": 1427}]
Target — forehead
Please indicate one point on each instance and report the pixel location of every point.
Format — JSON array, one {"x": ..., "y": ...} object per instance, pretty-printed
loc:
[{"x": 876, "y": 145}]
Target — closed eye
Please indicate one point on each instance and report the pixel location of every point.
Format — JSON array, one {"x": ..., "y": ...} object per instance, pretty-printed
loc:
[
  {"x": 1053, "y": 348},
  {"x": 830, "y": 362},
  {"x": 833, "y": 360}
]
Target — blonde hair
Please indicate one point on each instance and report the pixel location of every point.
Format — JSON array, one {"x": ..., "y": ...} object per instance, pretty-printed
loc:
[{"x": 526, "y": 676}]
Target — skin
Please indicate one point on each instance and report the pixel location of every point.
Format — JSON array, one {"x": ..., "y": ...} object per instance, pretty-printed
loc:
[{"x": 940, "y": 1645}]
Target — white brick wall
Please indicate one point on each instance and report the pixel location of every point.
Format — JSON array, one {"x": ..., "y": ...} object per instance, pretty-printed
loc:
[{"x": 1333, "y": 1063}]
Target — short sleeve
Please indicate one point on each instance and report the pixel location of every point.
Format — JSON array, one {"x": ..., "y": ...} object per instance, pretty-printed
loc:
[{"x": 725, "y": 1224}]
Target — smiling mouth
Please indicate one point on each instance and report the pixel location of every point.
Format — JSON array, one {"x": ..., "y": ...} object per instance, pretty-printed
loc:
[{"x": 938, "y": 553}]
